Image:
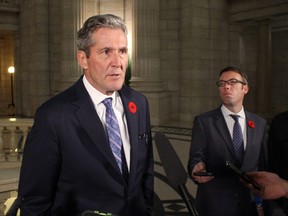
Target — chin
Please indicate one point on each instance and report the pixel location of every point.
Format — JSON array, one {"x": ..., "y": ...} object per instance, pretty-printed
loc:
[{"x": 117, "y": 87}]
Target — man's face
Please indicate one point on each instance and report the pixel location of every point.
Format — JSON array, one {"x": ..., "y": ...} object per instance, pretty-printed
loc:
[
  {"x": 232, "y": 95},
  {"x": 106, "y": 66}
]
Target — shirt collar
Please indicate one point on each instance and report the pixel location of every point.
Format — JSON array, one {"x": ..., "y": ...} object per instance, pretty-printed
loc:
[
  {"x": 97, "y": 96},
  {"x": 227, "y": 112}
]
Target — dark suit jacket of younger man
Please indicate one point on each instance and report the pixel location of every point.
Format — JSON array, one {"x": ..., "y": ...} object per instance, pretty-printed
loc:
[
  {"x": 68, "y": 166},
  {"x": 211, "y": 143}
]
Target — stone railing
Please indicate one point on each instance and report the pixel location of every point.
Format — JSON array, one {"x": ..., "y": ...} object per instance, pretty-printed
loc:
[
  {"x": 8, "y": 3},
  {"x": 13, "y": 134}
]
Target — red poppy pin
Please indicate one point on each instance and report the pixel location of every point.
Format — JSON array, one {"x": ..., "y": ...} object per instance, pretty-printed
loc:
[
  {"x": 251, "y": 124},
  {"x": 132, "y": 107}
]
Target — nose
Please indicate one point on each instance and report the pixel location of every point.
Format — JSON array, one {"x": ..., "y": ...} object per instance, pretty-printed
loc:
[
  {"x": 116, "y": 59},
  {"x": 226, "y": 85}
]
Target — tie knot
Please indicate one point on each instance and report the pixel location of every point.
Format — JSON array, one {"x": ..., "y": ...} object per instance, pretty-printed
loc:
[
  {"x": 108, "y": 103},
  {"x": 235, "y": 117}
]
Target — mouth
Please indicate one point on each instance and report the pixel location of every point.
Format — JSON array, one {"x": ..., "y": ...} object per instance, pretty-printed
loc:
[
  {"x": 227, "y": 94},
  {"x": 114, "y": 76}
]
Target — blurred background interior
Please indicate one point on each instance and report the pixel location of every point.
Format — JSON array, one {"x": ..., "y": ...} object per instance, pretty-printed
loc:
[{"x": 176, "y": 50}]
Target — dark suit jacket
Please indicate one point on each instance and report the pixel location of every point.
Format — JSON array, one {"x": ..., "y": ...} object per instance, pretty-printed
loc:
[
  {"x": 278, "y": 145},
  {"x": 278, "y": 149},
  {"x": 68, "y": 166},
  {"x": 211, "y": 143}
]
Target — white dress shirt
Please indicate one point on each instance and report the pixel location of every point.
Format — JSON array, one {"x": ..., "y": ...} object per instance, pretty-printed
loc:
[
  {"x": 230, "y": 122},
  {"x": 97, "y": 98}
]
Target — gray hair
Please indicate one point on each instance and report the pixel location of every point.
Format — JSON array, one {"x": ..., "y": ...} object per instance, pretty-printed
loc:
[{"x": 92, "y": 24}]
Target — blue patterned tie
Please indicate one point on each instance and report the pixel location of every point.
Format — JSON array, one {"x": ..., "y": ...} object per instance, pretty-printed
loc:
[
  {"x": 113, "y": 131},
  {"x": 238, "y": 139}
]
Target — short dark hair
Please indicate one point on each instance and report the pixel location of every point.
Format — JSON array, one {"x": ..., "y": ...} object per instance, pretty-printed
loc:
[
  {"x": 84, "y": 39},
  {"x": 236, "y": 70}
]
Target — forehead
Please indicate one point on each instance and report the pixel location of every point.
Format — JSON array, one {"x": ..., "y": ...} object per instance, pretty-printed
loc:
[
  {"x": 110, "y": 37},
  {"x": 230, "y": 75}
]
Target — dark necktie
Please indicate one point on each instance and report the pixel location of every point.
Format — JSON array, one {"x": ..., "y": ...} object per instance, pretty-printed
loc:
[
  {"x": 238, "y": 139},
  {"x": 113, "y": 132}
]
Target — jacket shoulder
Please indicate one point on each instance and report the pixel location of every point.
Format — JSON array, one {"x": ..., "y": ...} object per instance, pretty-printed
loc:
[{"x": 210, "y": 114}]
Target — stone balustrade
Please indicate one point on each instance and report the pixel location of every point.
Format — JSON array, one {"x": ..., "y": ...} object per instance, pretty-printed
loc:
[
  {"x": 13, "y": 134},
  {"x": 7, "y": 3}
]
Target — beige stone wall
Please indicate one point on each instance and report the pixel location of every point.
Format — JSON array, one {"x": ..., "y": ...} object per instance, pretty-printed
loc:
[
  {"x": 193, "y": 48},
  {"x": 33, "y": 57},
  {"x": 170, "y": 52},
  {"x": 204, "y": 51},
  {"x": 177, "y": 50}
]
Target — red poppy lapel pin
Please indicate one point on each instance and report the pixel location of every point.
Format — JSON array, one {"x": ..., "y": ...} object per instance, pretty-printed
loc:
[
  {"x": 132, "y": 107},
  {"x": 251, "y": 124}
]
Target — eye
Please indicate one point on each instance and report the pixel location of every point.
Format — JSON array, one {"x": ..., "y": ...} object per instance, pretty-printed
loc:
[
  {"x": 232, "y": 81},
  {"x": 220, "y": 83},
  {"x": 106, "y": 51},
  {"x": 123, "y": 51}
]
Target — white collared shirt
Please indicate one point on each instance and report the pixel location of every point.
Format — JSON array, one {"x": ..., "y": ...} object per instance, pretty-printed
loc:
[
  {"x": 97, "y": 98},
  {"x": 230, "y": 122}
]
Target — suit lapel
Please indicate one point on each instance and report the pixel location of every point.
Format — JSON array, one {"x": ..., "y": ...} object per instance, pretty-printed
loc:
[
  {"x": 223, "y": 130},
  {"x": 251, "y": 139}
]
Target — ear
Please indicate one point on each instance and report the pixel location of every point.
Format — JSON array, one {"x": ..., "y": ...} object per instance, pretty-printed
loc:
[
  {"x": 82, "y": 59},
  {"x": 245, "y": 89}
]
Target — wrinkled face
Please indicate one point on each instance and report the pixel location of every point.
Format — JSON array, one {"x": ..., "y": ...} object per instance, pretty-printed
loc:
[
  {"x": 232, "y": 94},
  {"x": 106, "y": 66}
]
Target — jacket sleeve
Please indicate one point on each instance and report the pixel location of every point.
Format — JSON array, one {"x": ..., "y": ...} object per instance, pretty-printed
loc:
[
  {"x": 198, "y": 145},
  {"x": 40, "y": 170}
]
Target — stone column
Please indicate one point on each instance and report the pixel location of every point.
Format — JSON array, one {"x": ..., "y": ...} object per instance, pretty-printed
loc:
[
  {"x": 32, "y": 48},
  {"x": 71, "y": 20},
  {"x": 263, "y": 73},
  {"x": 146, "y": 58}
]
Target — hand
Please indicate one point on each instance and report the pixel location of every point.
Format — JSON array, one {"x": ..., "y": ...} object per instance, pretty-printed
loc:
[
  {"x": 200, "y": 167},
  {"x": 272, "y": 186}
]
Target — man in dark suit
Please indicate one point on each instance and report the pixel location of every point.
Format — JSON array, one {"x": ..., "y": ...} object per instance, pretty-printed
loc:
[
  {"x": 223, "y": 194},
  {"x": 278, "y": 150},
  {"x": 68, "y": 166}
]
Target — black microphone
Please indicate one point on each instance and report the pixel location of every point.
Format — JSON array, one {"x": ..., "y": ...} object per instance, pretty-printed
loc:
[{"x": 174, "y": 170}]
